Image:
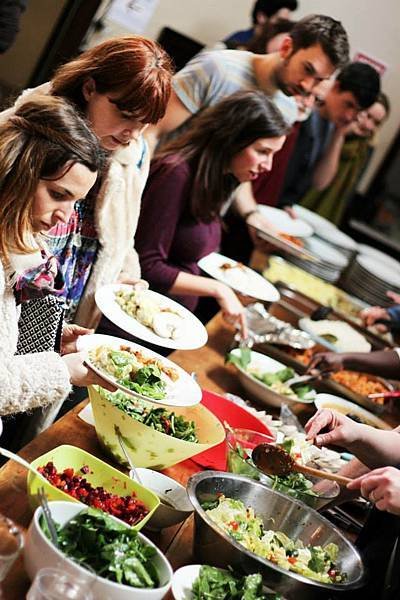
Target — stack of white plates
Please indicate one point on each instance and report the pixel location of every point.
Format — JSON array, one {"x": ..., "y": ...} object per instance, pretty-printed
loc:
[
  {"x": 284, "y": 223},
  {"x": 371, "y": 275},
  {"x": 316, "y": 221},
  {"x": 331, "y": 261},
  {"x": 339, "y": 240},
  {"x": 328, "y": 232}
]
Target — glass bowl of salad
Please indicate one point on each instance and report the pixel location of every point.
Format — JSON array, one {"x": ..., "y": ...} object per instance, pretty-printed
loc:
[{"x": 313, "y": 492}]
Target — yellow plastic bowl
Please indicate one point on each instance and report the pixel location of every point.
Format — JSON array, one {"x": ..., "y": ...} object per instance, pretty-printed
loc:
[
  {"x": 101, "y": 474},
  {"x": 146, "y": 446}
]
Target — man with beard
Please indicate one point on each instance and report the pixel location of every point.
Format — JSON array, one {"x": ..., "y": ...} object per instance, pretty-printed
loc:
[{"x": 313, "y": 50}]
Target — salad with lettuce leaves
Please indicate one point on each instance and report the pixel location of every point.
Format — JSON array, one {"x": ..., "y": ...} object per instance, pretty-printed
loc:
[
  {"x": 294, "y": 484},
  {"x": 158, "y": 418},
  {"x": 112, "y": 550},
  {"x": 240, "y": 522},
  {"x": 130, "y": 368},
  {"x": 219, "y": 584},
  {"x": 274, "y": 381}
]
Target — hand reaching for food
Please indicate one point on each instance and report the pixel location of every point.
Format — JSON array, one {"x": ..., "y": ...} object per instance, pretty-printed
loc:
[
  {"x": 232, "y": 308},
  {"x": 337, "y": 429},
  {"x": 393, "y": 296},
  {"x": 326, "y": 361},
  {"x": 382, "y": 487},
  {"x": 369, "y": 317}
]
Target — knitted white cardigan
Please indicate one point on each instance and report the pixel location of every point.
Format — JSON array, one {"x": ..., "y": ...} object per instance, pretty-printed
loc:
[
  {"x": 28, "y": 380},
  {"x": 117, "y": 211}
]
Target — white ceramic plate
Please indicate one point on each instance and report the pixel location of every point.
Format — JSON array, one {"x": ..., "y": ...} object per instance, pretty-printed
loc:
[
  {"x": 381, "y": 257},
  {"x": 384, "y": 271},
  {"x": 240, "y": 278},
  {"x": 345, "y": 407},
  {"x": 316, "y": 221},
  {"x": 183, "y": 392},
  {"x": 326, "y": 252},
  {"x": 284, "y": 223},
  {"x": 337, "y": 237},
  {"x": 257, "y": 388},
  {"x": 194, "y": 333}
]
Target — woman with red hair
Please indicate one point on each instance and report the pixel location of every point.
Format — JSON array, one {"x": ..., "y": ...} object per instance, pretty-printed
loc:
[{"x": 121, "y": 86}]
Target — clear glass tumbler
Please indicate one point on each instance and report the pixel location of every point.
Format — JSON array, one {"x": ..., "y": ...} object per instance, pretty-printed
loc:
[
  {"x": 11, "y": 543},
  {"x": 54, "y": 584}
]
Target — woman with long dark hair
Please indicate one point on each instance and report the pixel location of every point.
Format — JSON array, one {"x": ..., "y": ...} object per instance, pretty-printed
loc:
[{"x": 190, "y": 184}]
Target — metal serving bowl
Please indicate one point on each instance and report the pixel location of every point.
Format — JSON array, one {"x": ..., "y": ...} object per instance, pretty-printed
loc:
[{"x": 278, "y": 512}]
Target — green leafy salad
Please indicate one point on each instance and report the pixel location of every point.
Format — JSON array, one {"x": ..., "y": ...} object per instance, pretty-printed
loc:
[
  {"x": 274, "y": 381},
  {"x": 240, "y": 522},
  {"x": 218, "y": 584},
  {"x": 160, "y": 419},
  {"x": 113, "y": 551},
  {"x": 294, "y": 484},
  {"x": 132, "y": 369}
]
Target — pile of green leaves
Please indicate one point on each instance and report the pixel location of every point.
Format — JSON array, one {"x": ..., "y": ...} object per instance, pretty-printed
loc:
[
  {"x": 243, "y": 359},
  {"x": 113, "y": 551},
  {"x": 159, "y": 418},
  {"x": 147, "y": 382},
  {"x": 217, "y": 584}
]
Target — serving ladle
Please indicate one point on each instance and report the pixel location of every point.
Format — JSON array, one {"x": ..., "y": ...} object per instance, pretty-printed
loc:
[{"x": 274, "y": 460}]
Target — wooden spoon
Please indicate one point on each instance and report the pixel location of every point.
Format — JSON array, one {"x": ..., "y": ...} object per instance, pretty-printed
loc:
[{"x": 273, "y": 460}]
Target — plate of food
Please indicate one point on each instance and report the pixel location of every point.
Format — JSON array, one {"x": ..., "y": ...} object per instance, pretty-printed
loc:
[
  {"x": 151, "y": 317},
  {"x": 284, "y": 223},
  {"x": 265, "y": 378},
  {"x": 239, "y": 277},
  {"x": 337, "y": 336},
  {"x": 142, "y": 373},
  {"x": 344, "y": 407}
]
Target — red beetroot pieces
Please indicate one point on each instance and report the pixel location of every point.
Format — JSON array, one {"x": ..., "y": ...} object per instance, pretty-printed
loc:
[{"x": 127, "y": 508}]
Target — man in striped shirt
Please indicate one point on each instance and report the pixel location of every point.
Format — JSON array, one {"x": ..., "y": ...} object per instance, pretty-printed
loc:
[{"x": 312, "y": 51}]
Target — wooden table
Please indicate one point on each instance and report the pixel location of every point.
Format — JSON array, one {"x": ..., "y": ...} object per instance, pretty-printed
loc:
[
  {"x": 175, "y": 542},
  {"x": 207, "y": 362}
]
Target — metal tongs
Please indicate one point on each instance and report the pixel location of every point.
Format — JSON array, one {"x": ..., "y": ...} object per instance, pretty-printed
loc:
[
  {"x": 41, "y": 494},
  {"x": 265, "y": 328}
]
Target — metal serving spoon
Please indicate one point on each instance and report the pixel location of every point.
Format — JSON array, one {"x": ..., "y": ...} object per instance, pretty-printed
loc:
[
  {"x": 273, "y": 460},
  {"x": 133, "y": 474}
]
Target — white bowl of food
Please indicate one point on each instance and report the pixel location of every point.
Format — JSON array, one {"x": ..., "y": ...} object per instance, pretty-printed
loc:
[
  {"x": 264, "y": 379},
  {"x": 175, "y": 505},
  {"x": 350, "y": 409},
  {"x": 40, "y": 552}
]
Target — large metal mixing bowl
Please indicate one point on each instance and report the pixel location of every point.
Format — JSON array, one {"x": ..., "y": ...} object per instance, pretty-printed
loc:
[{"x": 278, "y": 512}]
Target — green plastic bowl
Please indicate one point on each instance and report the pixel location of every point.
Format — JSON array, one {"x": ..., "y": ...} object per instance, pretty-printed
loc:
[
  {"x": 146, "y": 446},
  {"x": 101, "y": 474}
]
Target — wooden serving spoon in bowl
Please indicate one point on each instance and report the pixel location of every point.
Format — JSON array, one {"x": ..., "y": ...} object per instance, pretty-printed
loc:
[{"x": 273, "y": 460}]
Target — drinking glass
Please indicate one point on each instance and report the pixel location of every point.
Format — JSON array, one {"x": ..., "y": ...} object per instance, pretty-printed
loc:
[
  {"x": 11, "y": 542},
  {"x": 54, "y": 584}
]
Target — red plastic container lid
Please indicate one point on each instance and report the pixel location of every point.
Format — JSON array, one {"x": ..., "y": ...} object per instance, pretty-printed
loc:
[{"x": 237, "y": 417}]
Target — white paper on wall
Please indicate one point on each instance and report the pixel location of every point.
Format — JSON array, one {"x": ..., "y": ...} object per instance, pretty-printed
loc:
[{"x": 132, "y": 15}]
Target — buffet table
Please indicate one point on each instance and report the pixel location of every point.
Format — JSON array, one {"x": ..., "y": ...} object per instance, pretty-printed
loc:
[
  {"x": 208, "y": 362},
  {"x": 175, "y": 542}
]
